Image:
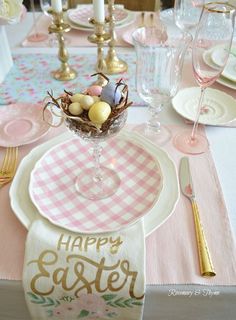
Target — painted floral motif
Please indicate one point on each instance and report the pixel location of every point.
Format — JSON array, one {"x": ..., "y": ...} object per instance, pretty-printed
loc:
[
  {"x": 204, "y": 109},
  {"x": 30, "y": 78},
  {"x": 87, "y": 306}
]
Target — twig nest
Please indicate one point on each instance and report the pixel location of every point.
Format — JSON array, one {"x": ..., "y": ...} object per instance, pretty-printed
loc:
[{"x": 91, "y": 113}]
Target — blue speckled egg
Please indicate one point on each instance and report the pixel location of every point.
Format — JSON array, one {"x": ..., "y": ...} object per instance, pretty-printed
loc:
[{"x": 110, "y": 94}]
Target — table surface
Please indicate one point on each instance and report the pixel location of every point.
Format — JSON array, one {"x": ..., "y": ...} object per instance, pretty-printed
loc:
[{"x": 222, "y": 140}]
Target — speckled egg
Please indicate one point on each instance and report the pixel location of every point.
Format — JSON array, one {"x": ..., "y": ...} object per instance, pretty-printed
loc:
[
  {"x": 75, "y": 108},
  {"x": 99, "y": 112},
  {"x": 110, "y": 94},
  {"x": 86, "y": 102},
  {"x": 76, "y": 97},
  {"x": 94, "y": 90}
]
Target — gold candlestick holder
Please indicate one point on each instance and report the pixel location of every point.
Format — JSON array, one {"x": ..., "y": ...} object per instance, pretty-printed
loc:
[
  {"x": 100, "y": 37},
  {"x": 59, "y": 27},
  {"x": 113, "y": 63}
]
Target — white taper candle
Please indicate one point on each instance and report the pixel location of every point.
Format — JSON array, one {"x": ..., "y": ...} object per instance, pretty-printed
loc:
[
  {"x": 99, "y": 10},
  {"x": 56, "y": 5}
]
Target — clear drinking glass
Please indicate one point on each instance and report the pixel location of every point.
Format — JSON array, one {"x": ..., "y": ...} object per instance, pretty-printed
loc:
[
  {"x": 46, "y": 6},
  {"x": 97, "y": 181},
  {"x": 160, "y": 57},
  {"x": 214, "y": 32},
  {"x": 187, "y": 13}
]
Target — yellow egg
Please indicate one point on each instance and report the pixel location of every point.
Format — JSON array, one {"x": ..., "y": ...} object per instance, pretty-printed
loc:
[
  {"x": 86, "y": 102},
  {"x": 76, "y": 97},
  {"x": 75, "y": 108},
  {"x": 99, "y": 112},
  {"x": 96, "y": 99}
]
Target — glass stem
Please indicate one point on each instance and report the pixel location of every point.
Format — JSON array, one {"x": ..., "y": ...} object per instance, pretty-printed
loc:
[
  {"x": 97, "y": 151},
  {"x": 195, "y": 126},
  {"x": 34, "y": 17},
  {"x": 153, "y": 123}
]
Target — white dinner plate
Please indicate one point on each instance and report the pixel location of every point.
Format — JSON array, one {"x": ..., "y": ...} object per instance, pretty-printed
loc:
[
  {"x": 229, "y": 71},
  {"x": 127, "y": 35},
  {"x": 227, "y": 83},
  {"x": 81, "y": 15},
  {"x": 219, "y": 108},
  {"x": 222, "y": 80},
  {"x": 159, "y": 213},
  {"x": 130, "y": 19}
]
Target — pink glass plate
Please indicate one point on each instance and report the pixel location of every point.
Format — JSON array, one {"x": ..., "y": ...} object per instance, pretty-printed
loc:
[
  {"x": 83, "y": 13},
  {"x": 22, "y": 123},
  {"x": 52, "y": 186}
]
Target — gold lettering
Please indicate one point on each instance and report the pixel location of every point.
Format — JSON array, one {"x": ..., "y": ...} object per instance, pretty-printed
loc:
[
  {"x": 115, "y": 245},
  {"x": 101, "y": 242},
  {"x": 86, "y": 285},
  {"x": 124, "y": 266},
  {"x": 77, "y": 243},
  {"x": 114, "y": 277},
  {"x": 73, "y": 277},
  {"x": 43, "y": 272},
  {"x": 60, "y": 276},
  {"x": 88, "y": 242},
  {"x": 65, "y": 243}
]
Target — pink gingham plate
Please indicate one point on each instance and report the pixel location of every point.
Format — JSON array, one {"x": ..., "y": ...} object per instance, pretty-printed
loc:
[
  {"x": 22, "y": 123},
  {"x": 52, "y": 186},
  {"x": 83, "y": 13}
]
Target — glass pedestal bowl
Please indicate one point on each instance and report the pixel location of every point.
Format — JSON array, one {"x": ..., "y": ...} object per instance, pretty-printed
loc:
[{"x": 97, "y": 181}]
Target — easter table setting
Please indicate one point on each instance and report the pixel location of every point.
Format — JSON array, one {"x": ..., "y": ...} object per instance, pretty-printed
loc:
[{"x": 102, "y": 220}]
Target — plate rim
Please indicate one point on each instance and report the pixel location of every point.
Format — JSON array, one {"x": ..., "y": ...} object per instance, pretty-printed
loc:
[
  {"x": 223, "y": 80},
  {"x": 87, "y": 25},
  {"x": 120, "y": 227},
  {"x": 128, "y": 21},
  {"x": 204, "y": 122},
  {"x": 152, "y": 220},
  {"x": 30, "y": 140}
]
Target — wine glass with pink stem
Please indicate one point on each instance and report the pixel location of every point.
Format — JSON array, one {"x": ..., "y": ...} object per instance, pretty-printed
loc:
[
  {"x": 214, "y": 35},
  {"x": 36, "y": 36}
]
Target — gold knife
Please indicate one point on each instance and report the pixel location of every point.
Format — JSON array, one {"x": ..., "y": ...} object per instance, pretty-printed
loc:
[{"x": 186, "y": 184}]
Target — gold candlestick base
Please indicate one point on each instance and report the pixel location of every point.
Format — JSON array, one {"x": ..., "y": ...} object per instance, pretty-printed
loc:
[
  {"x": 100, "y": 37},
  {"x": 113, "y": 63},
  {"x": 65, "y": 72}
]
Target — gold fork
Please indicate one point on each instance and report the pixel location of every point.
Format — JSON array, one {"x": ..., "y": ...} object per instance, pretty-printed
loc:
[{"x": 8, "y": 168}]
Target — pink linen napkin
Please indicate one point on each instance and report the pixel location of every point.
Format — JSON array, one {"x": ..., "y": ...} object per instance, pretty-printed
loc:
[{"x": 171, "y": 253}]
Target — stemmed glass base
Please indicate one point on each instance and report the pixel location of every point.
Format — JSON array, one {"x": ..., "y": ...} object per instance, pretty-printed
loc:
[
  {"x": 97, "y": 182},
  {"x": 186, "y": 144},
  {"x": 37, "y": 37},
  {"x": 158, "y": 135},
  {"x": 99, "y": 185}
]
